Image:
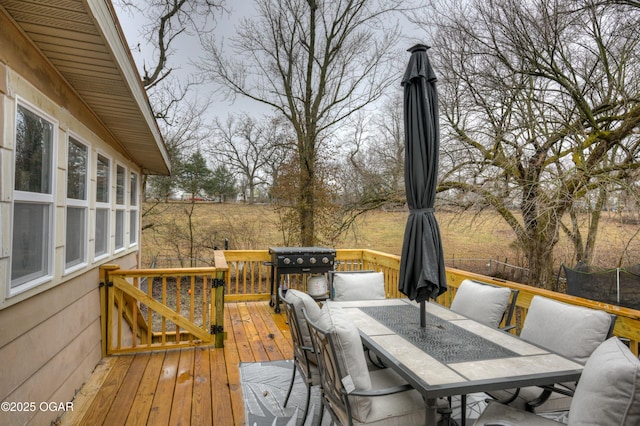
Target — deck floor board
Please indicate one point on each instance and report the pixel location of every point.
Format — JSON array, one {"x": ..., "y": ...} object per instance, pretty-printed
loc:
[
  {"x": 198, "y": 385},
  {"x": 123, "y": 402},
  {"x": 202, "y": 413},
  {"x": 101, "y": 404},
  {"x": 144, "y": 394}
]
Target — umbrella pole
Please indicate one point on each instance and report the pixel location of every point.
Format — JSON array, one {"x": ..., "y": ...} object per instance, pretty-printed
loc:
[{"x": 423, "y": 314}]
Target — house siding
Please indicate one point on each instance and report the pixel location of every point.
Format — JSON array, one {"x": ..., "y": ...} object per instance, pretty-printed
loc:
[
  {"x": 50, "y": 344},
  {"x": 50, "y": 336},
  {"x": 29, "y": 78}
]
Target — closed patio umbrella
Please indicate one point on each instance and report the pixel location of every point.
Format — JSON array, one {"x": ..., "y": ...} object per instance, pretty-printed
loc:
[{"x": 422, "y": 273}]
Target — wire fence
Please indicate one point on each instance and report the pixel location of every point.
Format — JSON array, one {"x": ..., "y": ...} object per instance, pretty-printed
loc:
[{"x": 490, "y": 267}]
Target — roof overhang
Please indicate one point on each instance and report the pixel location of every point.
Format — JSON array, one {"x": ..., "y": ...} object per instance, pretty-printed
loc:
[{"x": 83, "y": 40}]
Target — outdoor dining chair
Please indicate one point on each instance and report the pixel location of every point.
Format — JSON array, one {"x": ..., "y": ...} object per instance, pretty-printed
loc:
[
  {"x": 350, "y": 392},
  {"x": 347, "y": 286},
  {"x": 304, "y": 358},
  {"x": 488, "y": 304},
  {"x": 608, "y": 393},
  {"x": 356, "y": 285},
  {"x": 571, "y": 331}
]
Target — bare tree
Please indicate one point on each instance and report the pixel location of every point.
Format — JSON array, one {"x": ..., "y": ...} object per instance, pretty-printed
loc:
[
  {"x": 167, "y": 20},
  {"x": 372, "y": 172},
  {"x": 541, "y": 106},
  {"x": 183, "y": 136},
  {"x": 315, "y": 62},
  {"x": 247, "y": 147},
  {"x": 183, "y": 131}
]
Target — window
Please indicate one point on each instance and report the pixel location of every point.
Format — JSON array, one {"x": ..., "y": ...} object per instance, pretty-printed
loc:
[
  {"x": 119, "y": 229},
  {"x": 133, "y": 213},
  {"x": 77, "y": 164},
  {"x": 121, "y": 178},
  {"x": 32, "y": 230},
  {"x": 77, "y": 204},
  {"x": 103, "y": 207},
  {"x": 120, "y": 182}
]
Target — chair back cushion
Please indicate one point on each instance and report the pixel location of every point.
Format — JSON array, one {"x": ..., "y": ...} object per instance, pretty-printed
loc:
[
  {"x": 358, "y": 286},
  {"x": 608, "y": 391},
  {"x": 301, "y": 300},
  {"x": 352, "y": 361},
  {"x": 572, "y": 331},
  {"x": 483, "y": 303}
]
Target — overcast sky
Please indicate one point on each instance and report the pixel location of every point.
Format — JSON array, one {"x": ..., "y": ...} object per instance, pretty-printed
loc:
[{"x": 186, "y": 49}]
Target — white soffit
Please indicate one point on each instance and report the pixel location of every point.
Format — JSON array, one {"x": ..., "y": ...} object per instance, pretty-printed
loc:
[{"x": 83, "y": 40}]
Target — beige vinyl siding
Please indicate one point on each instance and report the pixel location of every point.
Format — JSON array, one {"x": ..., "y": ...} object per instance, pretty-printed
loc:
[
  {"x": 20, "y": 90},
  {"x": 50, "y": 337},
  {"x": 50, "y": 344}
]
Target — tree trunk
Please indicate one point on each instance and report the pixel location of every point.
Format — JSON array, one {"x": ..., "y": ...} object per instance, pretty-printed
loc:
[
  {"x": 251, "y": 187},
  {"x": 541, "y": 233},
  {"x": 191, "y": 239},
  {"x": 541, "y": 227},
  {"x": 576, "y": 236},
  {"x": 540, "y": 257},
  {"x": 306, "y": 203},
  {"x": 593, "y": 226}
]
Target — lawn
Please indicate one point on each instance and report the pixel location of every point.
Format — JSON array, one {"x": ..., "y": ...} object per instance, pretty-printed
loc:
[{"x": 469, "y": 239}]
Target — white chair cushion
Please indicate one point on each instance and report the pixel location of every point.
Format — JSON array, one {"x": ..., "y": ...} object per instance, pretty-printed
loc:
[
  {"x": 556, "y": 401},
  {"x": 353, "y": 362},
  {"x": 483, "y": 303},
  {"x": 358, "y": 286},
  {"x": 499, "y": 414},
  {"x": 572, "y": 331},
  {"x": 301, "y": 300},
  {"x": 399, "y": 409},
  {"x": 608, "y": 392}
]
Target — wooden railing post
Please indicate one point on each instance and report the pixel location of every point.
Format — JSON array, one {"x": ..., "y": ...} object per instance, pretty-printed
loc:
[
  {"x": 104, "y": 285},
  {"x": 220, "y": 262},
  {"x": 219, "y": 314}
]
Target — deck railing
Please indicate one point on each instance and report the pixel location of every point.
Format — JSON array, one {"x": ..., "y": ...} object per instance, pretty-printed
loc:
[
  {"x": 249, "y": 278},
  {"x": 148, "y": 309},
  {"x": 249, "y": 275},
  {"x": 140, "y": 299}
]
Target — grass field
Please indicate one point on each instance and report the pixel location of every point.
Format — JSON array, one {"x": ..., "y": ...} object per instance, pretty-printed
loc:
[{"x": 469, "y": 239}]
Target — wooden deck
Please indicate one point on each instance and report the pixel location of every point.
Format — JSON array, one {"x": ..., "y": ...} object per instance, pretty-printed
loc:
[{"x": 194, "y": 386}]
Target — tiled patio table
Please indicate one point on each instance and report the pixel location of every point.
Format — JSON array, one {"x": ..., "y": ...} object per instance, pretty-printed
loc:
[{"x": 452, "y": 354}]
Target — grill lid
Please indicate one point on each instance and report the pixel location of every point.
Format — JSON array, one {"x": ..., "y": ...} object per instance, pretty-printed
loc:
[
  {"x": 301, "y": 250},
  {"x": 303, "y": 259}
]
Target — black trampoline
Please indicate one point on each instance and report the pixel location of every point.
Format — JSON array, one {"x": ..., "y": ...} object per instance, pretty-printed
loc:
[{"x": 617, "y": 286}]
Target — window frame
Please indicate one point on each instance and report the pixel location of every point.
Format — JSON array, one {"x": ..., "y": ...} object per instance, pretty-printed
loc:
[
  {"x": 76, "y": 203},
  {"x": 121, "y": 209},
  {"x": 32, "y": 280},
  {"x": 134, "y": 209},
  {"x": 103, "y": 205}
]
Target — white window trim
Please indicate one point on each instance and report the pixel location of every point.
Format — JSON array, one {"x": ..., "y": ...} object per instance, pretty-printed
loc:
[
  {"x": 121, "y": 208},
  {"x": 126, "y": 192},
  {"x": 33, "y": 197},
  {"x": 72, "y": 202},
  {"x": 117, "y": 249},
  {"x": 103, "y": 205},
  {"x": 134, "y": 208}
]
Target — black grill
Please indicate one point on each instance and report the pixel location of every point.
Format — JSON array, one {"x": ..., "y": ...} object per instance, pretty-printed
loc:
[
  {"x": 297, "y": 260},
  {"x": 303, "y": 259}
]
